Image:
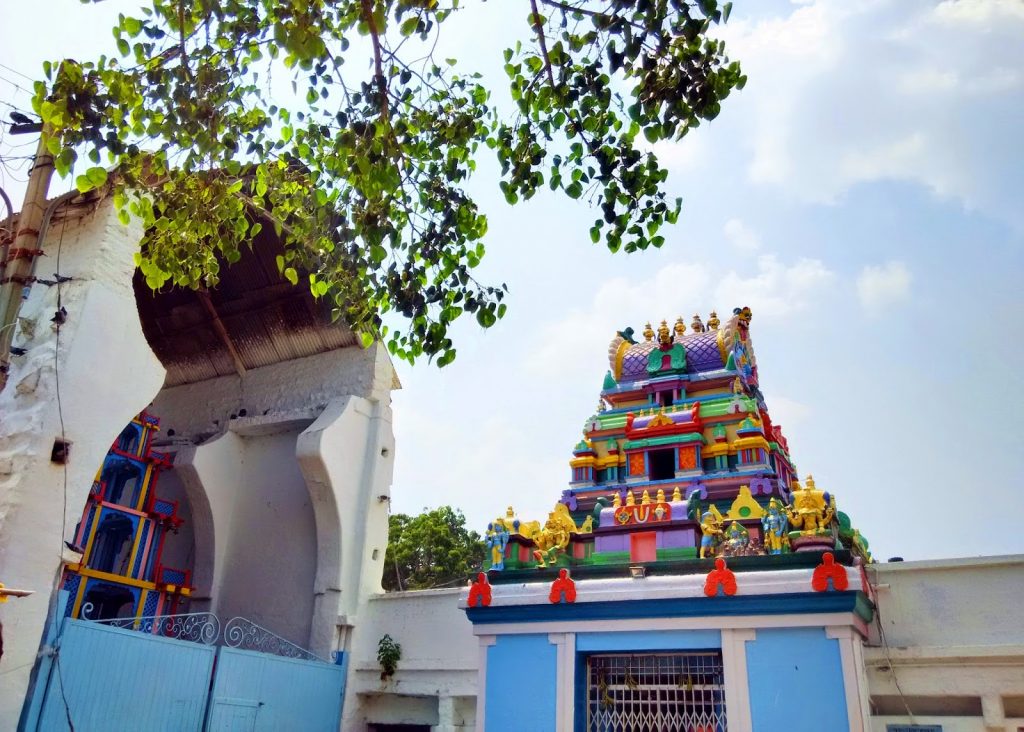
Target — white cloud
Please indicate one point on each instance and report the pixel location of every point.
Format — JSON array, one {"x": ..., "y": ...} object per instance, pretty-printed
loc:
[
  {"x": 741, "y": 236},
  {"x": 842, "y": 94},
  {"x": 775, "y": 289},
  {"x": 882, "y": 286}
]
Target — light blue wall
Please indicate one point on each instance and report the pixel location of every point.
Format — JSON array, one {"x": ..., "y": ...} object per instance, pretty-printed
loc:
[
  {"x": 662, "y": 640},
  {"x": 521, "y": 688},
  {"x": 796, "y": 681}
]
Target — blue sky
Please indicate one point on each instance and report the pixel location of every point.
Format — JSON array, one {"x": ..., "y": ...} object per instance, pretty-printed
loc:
[{"x": 862, "y": 195}]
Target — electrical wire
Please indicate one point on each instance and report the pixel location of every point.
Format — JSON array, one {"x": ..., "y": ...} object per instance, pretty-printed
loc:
[
  {"x": 888, "y": 658},
  {"x": 64, "y": 442},
  {"x": 15, "y": 71}
]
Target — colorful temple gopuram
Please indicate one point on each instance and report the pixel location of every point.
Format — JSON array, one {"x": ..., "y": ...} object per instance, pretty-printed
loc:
[
  {"x": 683, "y": 568},
  {"x": 680, "y": 461},
  {"x": 122, "y": 533}
]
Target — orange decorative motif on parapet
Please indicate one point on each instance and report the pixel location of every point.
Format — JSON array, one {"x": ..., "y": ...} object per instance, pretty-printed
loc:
[
  {"x": 563, "y": 589},
  {"x": 720, "y": 576},
  {"x": 829, "y": 570},
  {"x": 480, "y": 592}
]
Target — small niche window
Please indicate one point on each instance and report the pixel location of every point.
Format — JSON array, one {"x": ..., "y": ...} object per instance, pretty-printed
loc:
[
  {"x": 111, "y": 547},
  {"x": 662, "y": 464},
  {"x": 666, "y": 398},
  {"x": 128, "y": 440},
  {"x": 123, "y": 481}
]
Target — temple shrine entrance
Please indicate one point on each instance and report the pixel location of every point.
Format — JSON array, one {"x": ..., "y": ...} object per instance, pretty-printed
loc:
[{"x": 648, "y": 692}]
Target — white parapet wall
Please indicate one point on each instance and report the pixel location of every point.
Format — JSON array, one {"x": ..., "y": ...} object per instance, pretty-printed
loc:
[
  {"x": 436, "y": 680},
  {"x": 107, "y": 374},
  {"x": 948, "y": 644}
]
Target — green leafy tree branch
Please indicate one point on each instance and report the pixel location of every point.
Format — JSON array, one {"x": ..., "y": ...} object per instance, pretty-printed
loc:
[{"x": 363, "y": 173}]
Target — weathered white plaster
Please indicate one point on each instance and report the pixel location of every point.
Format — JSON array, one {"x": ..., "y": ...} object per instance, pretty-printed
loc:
[
  {"x": 107, "y": 374},
  {"x": 286, "y": 503},
  {"x": 302, "y": 387},
  {"x": 439, "y": 660},
  {"x": 952, "y": 628}
]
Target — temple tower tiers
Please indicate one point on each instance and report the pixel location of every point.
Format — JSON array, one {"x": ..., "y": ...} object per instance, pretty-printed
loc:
[
  {"x": 680, "y": 461},
  {"x": 122, "y": 536}
]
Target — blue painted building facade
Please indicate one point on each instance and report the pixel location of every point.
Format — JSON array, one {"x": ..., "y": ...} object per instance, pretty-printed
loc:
[{"x": 658, "y": 653}]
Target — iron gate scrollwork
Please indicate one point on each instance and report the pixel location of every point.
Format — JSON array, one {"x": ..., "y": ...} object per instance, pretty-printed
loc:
[
  {"x": 205, "y": 628},
  {"x": 246, "y": 635},
  {"x": 195, "y": 627}
]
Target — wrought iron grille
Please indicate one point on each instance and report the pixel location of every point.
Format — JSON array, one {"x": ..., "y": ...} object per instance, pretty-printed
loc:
[
  {"x": 656, "y": 692},
  {"x": 247, "y": 635},
  {"x": 195, "y": 627}
]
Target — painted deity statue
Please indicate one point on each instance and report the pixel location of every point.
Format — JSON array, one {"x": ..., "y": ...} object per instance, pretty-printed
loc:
[
  {"x": 711, "y": 533},
  {"x": 812, "y": 510},
  {"x": 775, "y": 524},
  {"x": 496, "y": 540},
  {"x": 737, "y": 539},
  {"x": 550, "y": 541}
]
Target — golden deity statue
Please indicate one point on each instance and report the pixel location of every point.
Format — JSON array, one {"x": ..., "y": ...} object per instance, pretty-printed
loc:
[{"x": 810, "y": 511}]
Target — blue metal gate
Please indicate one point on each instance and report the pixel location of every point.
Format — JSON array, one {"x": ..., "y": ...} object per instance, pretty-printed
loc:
[
  {"x": 257, "y": 692},
  {"x": 112, "y": 679}
]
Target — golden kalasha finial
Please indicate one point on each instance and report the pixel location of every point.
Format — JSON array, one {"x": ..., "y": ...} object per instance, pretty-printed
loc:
[
  {"x": 810, "y": 483},
  {"x": 648, "y": 333},
  {"x": 630, "y": 498},
  {"x": 645, "y": 498},
  {"x": 510, "y": 514},
  {"x": 680, "y": 327},
  {"x": 713, "y": 321},
  {"x": 616, "y": 500},
  {"x": 661, "y": 495},
  {"x": 664, "y": 334},
  {"x": 677, "y": 495},
  {"x": 697, "y": 326}
]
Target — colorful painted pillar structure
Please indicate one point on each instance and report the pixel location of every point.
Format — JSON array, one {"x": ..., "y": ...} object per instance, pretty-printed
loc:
[
  {"x": 122, "y": 533},
  {"x": 686, "y": 579}
]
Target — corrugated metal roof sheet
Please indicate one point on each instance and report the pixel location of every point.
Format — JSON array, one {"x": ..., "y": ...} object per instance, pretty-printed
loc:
[{"x": 267, "y": 320}]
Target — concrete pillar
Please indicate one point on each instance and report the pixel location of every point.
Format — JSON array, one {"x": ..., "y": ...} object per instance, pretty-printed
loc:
[
  {"x": 346, "y": 457},
  {"x": 211, "y": 475},
  {"x": 107, "y": 374}
]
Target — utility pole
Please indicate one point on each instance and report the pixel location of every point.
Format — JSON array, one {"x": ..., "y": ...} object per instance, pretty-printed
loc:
[{"x": 16, "y": 266}]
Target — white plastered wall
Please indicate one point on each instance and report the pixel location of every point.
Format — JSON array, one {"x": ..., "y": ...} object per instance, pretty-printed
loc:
[
  {"x": 953, "y": 628},
  {"x": 107, "y": 374},
  {"x": 436, "y": 680}
]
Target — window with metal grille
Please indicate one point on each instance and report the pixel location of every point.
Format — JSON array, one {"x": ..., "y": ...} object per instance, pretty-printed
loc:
[{"x": 655, "y": 692}]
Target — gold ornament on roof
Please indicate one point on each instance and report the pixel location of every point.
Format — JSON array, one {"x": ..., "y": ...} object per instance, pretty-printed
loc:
[
  {"x": 648, "y": 333},
  {"x": 713, "y": 321},
  {"x": 664, "y": 334},
  {"x": 677, "y": 495},
  {"x": 680, "y": 327},
  {"x": 697, "y": 326}
]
